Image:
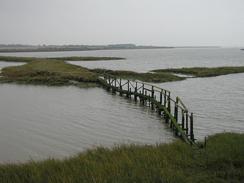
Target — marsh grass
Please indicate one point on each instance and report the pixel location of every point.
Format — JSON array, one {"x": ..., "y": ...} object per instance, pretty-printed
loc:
[
  {"x": 87, "y": 58},
  {"x": 146, "y": 77},
  {"x": 221, "y": 161},
  {"x": 49, "y": 72},
  {"x": 74, "y": 58},
  {"x": 55, "y": 71},
  {"x": 204, "y": 71}
]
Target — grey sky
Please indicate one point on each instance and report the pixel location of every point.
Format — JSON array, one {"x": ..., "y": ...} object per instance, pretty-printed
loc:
[{"x": 147, "y": 22}]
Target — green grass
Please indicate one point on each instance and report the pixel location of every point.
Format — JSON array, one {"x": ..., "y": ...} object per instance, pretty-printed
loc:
[
  {"x": 87, "y": 58},
  {"x": 204, "y": 71},
  {"x": 29, "y": 59},
  {"x": 18, "y": 59},
  {"x": 146, "y": 77},
  {"x": 54, "y": 71},
  {"x": 48, "y": 72},
  {"x": 221, "y": 161}
]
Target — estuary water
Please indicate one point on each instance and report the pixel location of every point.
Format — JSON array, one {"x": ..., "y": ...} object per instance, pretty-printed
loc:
[
  {"x": 37, "y": 122},
  {"x": 149, "y": 59}
]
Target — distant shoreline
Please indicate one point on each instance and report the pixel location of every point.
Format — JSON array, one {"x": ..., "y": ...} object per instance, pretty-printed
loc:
[{"x": 58, "y": 48}]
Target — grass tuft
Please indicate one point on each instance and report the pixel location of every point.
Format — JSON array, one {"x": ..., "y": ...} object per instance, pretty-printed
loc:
[
  {"x": 221, "y": 161},
  {"x": 204, "y": 71}
]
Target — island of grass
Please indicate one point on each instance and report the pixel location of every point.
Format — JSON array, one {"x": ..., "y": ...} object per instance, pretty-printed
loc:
[
  {"x": 73, "y": 58},
  {"x": 203, "y": 71},
  {"x": 146, "y": 77},
  {"x": 50, "y": 71},
  {"x": 55, "y": 71},
  {"x": 222, "y": 160}
]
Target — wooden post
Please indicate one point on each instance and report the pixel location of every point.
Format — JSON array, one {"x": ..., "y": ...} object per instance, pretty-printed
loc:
[
  {"x": 114, "y": 88},
  {"x": 146, "y": 96},
  {"x": 161, "y": 98},
  {"x": 130, "y": 93},
  {"x": 176, "y": 114},
  {"x": 187, "y": 116},
  {"x": 191, "y": 128},
  {"x": 152, "y": 92},
  {"x": 152, "y": 97},
  {"x": 165, "y": 98},
  {"x": 143, "y": 101},
  {"x": 128, "y": 88},
  {"x": 120, "y": 87},
  {"x": 182, "y": 119},
  {"x": 135, "y": 93},
  {"x": 176, "y": 109},
  {"x": 109, "y": 81},
  {"x": 161, "y": 101},
  {"x": 169, "y": 109}
]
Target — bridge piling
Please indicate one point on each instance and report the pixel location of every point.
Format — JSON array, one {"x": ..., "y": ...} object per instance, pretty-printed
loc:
[{"x": 157, "y": 99}]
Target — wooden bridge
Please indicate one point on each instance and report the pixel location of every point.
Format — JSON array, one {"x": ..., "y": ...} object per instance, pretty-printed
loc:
[{"x": 174, "y": 112}]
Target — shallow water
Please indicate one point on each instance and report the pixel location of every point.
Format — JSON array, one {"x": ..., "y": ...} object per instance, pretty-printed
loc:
[
  {"x": 8, "y": 64},
  {"x": 217, "y": 102},
  {"x": 146, "y": 60},
  {"x": 38, "y": 122}
]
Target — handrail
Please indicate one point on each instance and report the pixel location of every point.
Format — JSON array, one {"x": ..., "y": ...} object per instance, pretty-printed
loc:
[{"x": 147, "y": 93}]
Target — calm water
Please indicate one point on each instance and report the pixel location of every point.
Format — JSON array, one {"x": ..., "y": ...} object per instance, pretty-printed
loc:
[
  {"x": 39, "y": 122},
  {"x": 217, "y": 103},
  {"x": 7, "y": 64},
  {"x": 146, "y": 60}
]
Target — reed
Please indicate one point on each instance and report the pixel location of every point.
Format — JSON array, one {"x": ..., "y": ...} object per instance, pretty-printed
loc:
[
  {"x": 221, "y": 161},
  {"x": 204, "y": 71}
]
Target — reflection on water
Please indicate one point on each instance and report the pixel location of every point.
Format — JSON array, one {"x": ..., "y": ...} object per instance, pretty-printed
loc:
[{"x": 40, "y": 122}]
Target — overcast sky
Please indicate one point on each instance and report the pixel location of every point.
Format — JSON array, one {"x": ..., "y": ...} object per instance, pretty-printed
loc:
[{"x": 144, "y": 22}]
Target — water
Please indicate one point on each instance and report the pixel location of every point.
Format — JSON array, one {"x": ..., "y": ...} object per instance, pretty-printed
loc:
[
  {"x": 8, "y": 64},
  {"x": 146, "y": 60},
  {"x": 217, "y": 102},
  {"x": 37, "y": 122},
  {"x": 41, "y": 122}
]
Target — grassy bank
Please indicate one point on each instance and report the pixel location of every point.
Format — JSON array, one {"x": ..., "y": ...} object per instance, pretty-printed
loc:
[
  {"x": 55, "y": 71},
  {"x": 146, "y": 77},
  {"x": 29, "y": 59},
  {"x": 48, "y": 72},
  {"x": 87, "y": 58},
  {"x": 221, "y": 161},
  {"x": 204, "y": 71}
]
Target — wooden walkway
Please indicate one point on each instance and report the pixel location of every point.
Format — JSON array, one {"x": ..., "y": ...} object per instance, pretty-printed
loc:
[{"x": 174, "y": 112}]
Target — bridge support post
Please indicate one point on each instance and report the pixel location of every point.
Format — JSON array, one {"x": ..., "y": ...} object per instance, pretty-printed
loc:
[
  {"x": 120, "y": 87},
  {"x": 191, "y": 128},
  {"x": 169, "y": 110},
  {"x": 152, "y": 98},
  {"x": 176, "y": 114},
  {"x": 128, "y": 88},
  {"x": 114, "y": 87},
  {"x": 143, "y": 101},
  {"x": 187, "y": 128},
  {"x": 161, "y": 98},
  {"x": 182, "y": 119},
  {"x": 135, "y": 93},
  {"x": 165, "y": 98}
]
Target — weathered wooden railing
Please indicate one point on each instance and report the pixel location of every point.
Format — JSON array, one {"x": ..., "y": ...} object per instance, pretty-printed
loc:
[{"x": 173, "y": 111}]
